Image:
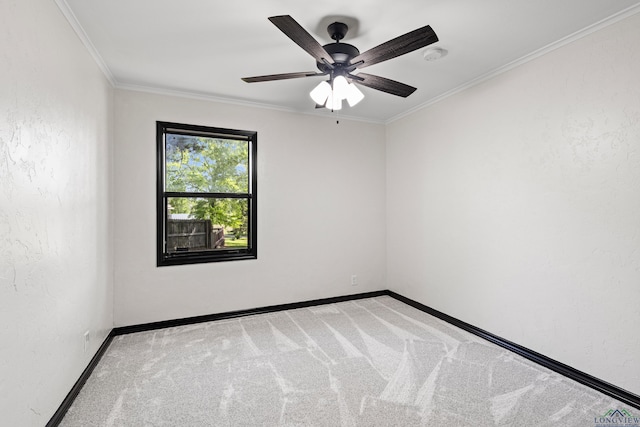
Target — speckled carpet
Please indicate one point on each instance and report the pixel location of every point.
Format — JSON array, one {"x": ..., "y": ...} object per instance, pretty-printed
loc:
[{"x": 370, "y": 362}]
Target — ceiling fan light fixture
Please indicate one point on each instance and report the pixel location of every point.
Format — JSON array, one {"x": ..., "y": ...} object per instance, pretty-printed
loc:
[
  {"x": 332, "y": 97},
  {"x": 320, "y": 93}
]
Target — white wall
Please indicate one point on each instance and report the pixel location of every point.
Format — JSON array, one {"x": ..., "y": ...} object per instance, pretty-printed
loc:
[
  {"x": 515, "y": 205},
  {"x": 55, "y": 249},
  {"x": 321, "y": 212}
]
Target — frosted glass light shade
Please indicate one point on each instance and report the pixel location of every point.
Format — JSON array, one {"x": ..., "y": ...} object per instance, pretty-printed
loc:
[
  {"x": 340, "y": 87},
  {"x": 321, "y": 92},
  {"x": 354, "y": 95}
]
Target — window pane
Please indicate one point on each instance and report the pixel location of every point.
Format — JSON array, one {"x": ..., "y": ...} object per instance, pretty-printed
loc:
[
  {"x": 206, "y": 165},
  {"x": 201, "y": 224}
]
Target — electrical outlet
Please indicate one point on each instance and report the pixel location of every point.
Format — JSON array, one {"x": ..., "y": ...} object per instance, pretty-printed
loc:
[
  {"x": 354, "y": 280},
  {"x": 85, "y": 340}
]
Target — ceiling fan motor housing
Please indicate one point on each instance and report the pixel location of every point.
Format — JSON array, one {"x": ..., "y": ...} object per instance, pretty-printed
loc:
[{"x": 341, "y": 53}]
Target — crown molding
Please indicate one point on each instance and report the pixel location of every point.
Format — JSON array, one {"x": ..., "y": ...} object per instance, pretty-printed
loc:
[
  {"x": 84, "y": 38},
  {"x": 200, "y": 96},
  {"x": 623, "y": 14}
]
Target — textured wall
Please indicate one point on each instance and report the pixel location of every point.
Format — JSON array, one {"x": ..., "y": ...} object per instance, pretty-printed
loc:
[
  {"x": 515, "y": 205},
  {"x": 321, "y": 212},
  {"x": 55, "y": 261}
]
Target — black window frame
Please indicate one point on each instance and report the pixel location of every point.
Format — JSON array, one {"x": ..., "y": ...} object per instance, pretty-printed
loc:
[{"x": 166, "y": 258}]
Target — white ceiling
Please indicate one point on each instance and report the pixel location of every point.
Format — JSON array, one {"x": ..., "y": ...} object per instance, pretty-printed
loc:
[{"x": 204, "y": 47}]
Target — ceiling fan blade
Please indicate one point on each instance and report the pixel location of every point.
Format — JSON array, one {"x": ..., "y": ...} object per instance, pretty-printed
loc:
[
  {"x": 399, "y": 46},
  {"x": 301, "y": 37},
  {"x": 284, "y": 76},
  {"x": 385, "y": 85}
]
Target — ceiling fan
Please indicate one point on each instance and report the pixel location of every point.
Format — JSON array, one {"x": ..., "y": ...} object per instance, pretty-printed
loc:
[{"x": 340, "y": 60}]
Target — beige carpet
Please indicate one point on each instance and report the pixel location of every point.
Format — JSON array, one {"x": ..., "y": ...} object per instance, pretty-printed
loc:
[{"x": 371, "y": 362}]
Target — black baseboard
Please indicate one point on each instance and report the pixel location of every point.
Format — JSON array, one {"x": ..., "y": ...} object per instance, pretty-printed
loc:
[
  {"x": 597, "y": 384},
  {"x": 240, "y": 313},
  {"x": 574, "y": 374},
  {"x": 71, "y": 396},
  {"x": 68, "y": 401}
]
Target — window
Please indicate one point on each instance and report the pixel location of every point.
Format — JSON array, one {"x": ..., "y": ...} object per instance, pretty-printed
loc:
[{"x": 206, "y": 198}]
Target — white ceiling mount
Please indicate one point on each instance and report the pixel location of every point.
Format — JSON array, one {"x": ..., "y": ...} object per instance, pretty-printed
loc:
[{"x": 434, "y": 53}]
